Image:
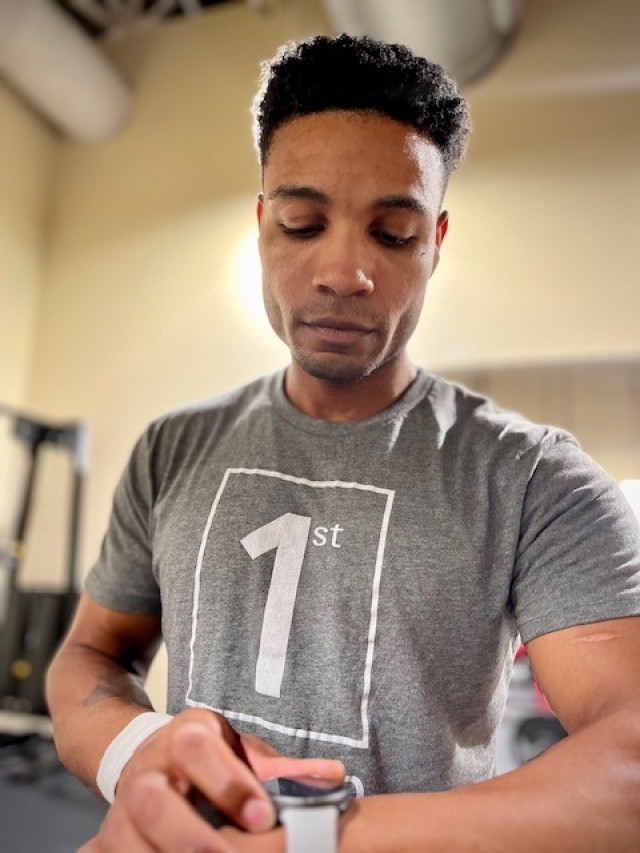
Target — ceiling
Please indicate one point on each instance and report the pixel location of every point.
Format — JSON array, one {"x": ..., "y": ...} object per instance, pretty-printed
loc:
[
  {"x": 573, "y": 46},
  {"x": 113, "y": 17},
  {"x": 465, "y": 36}
]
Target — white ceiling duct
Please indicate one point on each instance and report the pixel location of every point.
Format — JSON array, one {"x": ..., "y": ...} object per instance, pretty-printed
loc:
[
  {"x": 57, "y": 68},
  {"x": 464, "y": 36}
]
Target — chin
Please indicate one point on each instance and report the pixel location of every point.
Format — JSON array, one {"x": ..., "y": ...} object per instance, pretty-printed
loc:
[{"x": 339, "y": 371}]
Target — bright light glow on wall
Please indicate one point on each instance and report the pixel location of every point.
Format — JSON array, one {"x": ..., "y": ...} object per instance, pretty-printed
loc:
[
  {"x": 631, "y": 491},
  {"x": 247, "y": 276}
]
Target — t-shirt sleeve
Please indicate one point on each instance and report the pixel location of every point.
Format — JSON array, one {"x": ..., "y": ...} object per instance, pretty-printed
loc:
[
  {"x": 578, "y": 557},
  {"x": 122, "y": 578}
]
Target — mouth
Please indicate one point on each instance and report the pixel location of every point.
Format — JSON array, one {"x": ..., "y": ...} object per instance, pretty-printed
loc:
[{"x": 337, "y": 330}]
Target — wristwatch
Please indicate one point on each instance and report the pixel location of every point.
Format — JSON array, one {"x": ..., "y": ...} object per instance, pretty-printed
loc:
[{"x": 309, "y": 810}]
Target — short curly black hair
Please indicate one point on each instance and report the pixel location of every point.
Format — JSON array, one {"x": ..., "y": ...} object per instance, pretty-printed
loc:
[{"x": 358, "y": 73}]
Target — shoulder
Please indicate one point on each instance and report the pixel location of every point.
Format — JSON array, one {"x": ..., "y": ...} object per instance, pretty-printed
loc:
[
  {"x": 211, "y": 416},
  {"x": 181, "y": 436},
  {"x": 467, "y": 418}
]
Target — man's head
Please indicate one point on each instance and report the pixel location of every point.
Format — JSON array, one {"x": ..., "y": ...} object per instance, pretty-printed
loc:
[
  {"x": 360, "y": 74},
  {"x": 357, "y": 141}
]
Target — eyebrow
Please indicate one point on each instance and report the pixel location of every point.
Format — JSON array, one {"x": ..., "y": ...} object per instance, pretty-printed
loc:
[
  {"x": 295, "y": 191},
  {"x": 402, "y": 202},
  {"x": 389, "y": 202}
]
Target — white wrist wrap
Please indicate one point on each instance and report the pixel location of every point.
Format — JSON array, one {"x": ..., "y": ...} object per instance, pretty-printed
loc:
[{"x": 122, "y": 747}]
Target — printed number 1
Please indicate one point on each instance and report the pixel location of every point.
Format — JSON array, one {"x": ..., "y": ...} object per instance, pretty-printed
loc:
[{"x": 289, "y": 535}]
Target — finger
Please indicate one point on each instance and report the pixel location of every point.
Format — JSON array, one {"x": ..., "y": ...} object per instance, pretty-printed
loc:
[
  {"x": 232, "y": 737},
  {"x": 268, "y": 767},
  {"x": 228, "y": 783},
  {"x": 254, "y": 745},
  {"x": 265, "y": 842},
  {"x": 165, "y": 820},
  {"x": 260, "y": 756},
  {"x": 117, "y": 834}
]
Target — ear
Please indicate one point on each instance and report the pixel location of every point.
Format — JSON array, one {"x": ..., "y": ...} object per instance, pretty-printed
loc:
[
  {"x": 442, "y": 227},
  {"x": 441, "y": 230},
  {"x": 259, "y": 207}
]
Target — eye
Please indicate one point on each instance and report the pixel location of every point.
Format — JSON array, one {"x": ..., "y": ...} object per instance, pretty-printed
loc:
[
  {"x": 304, "y": 233},
  {"x": 392, "y": 240}
]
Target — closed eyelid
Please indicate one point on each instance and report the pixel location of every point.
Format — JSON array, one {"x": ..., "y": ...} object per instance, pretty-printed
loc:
[
  {"x": 402, "y": 226},
  {"x": 294, "y": 212},
  {"x": 301, "y": 226},
  {"x": 301, "y": 223}
]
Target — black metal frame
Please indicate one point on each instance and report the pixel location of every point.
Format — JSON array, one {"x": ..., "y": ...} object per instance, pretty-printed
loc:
[{"x": 35, "y": 620}]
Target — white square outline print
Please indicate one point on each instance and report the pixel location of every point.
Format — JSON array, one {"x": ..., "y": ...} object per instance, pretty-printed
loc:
[{"x": 361, "y": 742}]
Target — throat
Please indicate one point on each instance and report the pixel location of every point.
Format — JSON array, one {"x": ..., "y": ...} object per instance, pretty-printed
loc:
[{"x": 347, "y": 402}]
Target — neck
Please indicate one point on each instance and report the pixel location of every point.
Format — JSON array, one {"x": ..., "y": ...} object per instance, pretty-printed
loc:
[{"x": 349, "y": 401}]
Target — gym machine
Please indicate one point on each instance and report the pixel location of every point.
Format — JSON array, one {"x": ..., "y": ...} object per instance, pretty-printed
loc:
[{"x": 35, "y": 620}]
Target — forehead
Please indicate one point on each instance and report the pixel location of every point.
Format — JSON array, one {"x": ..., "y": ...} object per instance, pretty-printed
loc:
[{"x": 353, "y": 152}]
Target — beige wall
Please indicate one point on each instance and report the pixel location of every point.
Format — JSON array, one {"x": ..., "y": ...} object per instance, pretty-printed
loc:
[
  {"x": 26, "y": 162},
  {"x": 540, "y": 263},
  {"x": 27, "y": 149},
  {"x": 149, "y": 263}
]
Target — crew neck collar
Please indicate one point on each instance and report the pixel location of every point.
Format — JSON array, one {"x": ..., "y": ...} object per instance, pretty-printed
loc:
[{"x": 414, "y": 393}]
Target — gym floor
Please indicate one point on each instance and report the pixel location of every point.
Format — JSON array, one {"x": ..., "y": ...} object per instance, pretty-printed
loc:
[{"x": 43, "y": 809}]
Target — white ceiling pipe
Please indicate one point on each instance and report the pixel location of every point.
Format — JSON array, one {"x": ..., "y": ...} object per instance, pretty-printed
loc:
[
  {"x": 464, "y": 36},
  {"x": 60, "y": 71}
]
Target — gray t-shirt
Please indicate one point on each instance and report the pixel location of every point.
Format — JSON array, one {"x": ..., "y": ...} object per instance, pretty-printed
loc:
[{"x": 356, "y": 590}]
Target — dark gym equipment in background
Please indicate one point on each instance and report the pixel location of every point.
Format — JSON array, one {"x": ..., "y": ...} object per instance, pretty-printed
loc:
[
  {"x": 36, "y": 619},
  {"x": 42, "y": 807}
]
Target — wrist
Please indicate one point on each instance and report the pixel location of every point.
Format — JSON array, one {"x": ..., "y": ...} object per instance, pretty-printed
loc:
[
  {"x": 123, "y": 746},
  {"x": 309, "y": 812}
]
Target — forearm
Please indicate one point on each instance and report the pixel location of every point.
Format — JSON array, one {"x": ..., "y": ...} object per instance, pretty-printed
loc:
[
  {"x": 91, "y": 698},
  {"x": 583, "y": 794}
]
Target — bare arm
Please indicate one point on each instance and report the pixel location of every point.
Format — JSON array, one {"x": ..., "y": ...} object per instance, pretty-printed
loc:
[
  {"x": 95, "y": 682},
  {"x": 95, "y": 688},
  {"x": 582, "y": 794}
]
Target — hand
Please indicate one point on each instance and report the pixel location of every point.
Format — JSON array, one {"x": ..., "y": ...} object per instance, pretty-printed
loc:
[{"x": 198, "y": 751}]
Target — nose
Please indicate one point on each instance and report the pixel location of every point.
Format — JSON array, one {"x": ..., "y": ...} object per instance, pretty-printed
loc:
[{"x": 342, "y": 267}]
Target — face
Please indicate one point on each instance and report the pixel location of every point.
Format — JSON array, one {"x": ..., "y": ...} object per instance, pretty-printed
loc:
[{"x": 350, "y": 227}]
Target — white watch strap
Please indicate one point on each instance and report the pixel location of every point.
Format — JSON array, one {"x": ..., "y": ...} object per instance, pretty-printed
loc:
[{"x": 311, "y": 829}]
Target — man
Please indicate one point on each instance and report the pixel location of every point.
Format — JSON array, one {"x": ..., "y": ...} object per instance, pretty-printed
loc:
[{"x": 341, "y": 557}]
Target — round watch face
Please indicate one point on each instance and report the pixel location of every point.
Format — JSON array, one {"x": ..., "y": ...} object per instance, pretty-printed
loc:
[{"x": 303, "y": 793}]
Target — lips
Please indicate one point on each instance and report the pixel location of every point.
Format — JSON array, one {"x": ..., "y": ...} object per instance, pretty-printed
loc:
[
  {"x": 337, "y": 330},
  {"x": 337, "y": 323}
]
